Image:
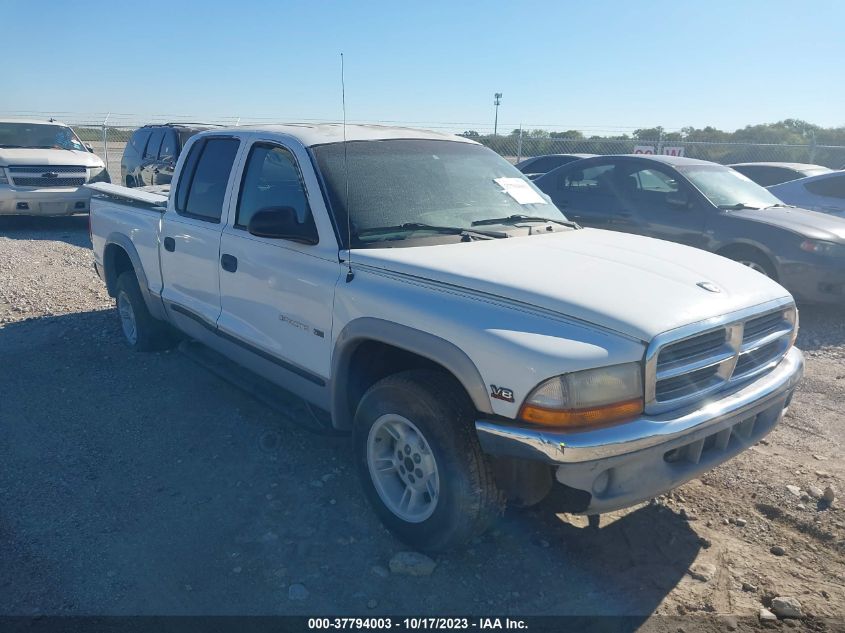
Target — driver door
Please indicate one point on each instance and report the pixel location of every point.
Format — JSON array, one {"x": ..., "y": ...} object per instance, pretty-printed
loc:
[{"x": 277, "y": 295}]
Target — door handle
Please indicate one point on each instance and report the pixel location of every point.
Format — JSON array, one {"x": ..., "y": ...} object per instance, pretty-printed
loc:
[
  {"x": 229, "y": 262},
  {"x": 169, "y": 244}
]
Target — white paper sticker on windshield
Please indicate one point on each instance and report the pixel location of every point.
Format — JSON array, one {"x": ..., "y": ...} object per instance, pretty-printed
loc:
[{"x": 520, "y": 190}]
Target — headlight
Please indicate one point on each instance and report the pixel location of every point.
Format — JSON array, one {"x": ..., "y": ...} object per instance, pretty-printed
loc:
[
  {"x": 821, "y": 247},
  {"x": 98, "y": 174},
  {"x": 587, "y": 398},
  {"x": 3, "y": 179}
]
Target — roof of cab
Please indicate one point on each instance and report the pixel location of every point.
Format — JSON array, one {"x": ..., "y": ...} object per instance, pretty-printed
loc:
[
  {"x": 795, "y": 166},
  {"x": 310, "y": 134},
  {"x": 665, "y": 158}
]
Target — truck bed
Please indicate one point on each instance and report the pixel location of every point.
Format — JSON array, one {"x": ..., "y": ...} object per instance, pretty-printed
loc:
[{"x": 134, "y": 214}]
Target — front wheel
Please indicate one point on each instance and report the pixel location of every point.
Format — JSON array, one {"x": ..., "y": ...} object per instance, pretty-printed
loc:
[
  {"x": 420, "y": 462},
  {"x": 754, "y": 259}
]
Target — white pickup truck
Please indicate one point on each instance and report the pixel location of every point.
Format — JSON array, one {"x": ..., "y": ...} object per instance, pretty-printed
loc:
[{"x": 478, "y": 345}]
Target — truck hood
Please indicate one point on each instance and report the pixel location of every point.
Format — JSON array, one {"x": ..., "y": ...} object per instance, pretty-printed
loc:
[
  {"x": 28, "y": 156},
  {"x": 633, "y": 285},
  {"x": 821, "y": 226}
]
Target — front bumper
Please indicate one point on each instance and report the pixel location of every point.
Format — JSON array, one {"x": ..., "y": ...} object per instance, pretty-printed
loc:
[
  {"x": 819, "y": 281},
  {"x": 631, "y": 462},
  {"x": 43, "y": 201}
]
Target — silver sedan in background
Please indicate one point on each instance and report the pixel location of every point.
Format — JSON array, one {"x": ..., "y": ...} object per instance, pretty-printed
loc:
[{"x": 825, "y": 193}]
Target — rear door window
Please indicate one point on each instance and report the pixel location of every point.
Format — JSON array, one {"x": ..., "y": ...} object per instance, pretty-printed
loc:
[
  {"x": 545, "y": 164},
  {"x": 586, "y": 181},
  {"x": 153, "y": 145},
  {"x": 139, "y": 140},
  {"x": 830, "y": 187},
  {"x": 167, "y": 151},
  {"x": 202, "y": 184}
]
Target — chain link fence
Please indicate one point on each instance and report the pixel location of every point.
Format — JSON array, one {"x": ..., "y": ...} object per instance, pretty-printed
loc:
[
  {"x": 516, "y": 148},
  {"x": 108, "y": 135}
]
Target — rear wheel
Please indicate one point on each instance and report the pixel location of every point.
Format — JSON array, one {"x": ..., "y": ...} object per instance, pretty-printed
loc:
[
  {"x": 141, "y": 331},
  {"x": 420, "y": 462}
]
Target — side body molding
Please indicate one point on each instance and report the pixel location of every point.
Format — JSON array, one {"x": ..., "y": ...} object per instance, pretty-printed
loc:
[
  {"x": 409, "y": 339},
  {"x": 153, "y": 301}
]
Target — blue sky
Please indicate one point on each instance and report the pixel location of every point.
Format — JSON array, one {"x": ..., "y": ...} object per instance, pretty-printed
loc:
[{"x": 601, "y": 64}]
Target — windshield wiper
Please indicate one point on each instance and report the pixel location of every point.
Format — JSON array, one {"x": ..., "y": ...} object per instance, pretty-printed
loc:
[
  {"x": 11, "y": 146},
  {"x": 419, "y": 226},
  {"x": 737, "y": 207},
  {"x": 513, "y": 219}
]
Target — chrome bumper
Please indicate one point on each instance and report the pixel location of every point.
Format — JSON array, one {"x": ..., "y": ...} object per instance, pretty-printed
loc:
[
  {"x": 557, "y": 447},
  {"x": 43, "y": 201},
  {"x": 635, "y": 461}
]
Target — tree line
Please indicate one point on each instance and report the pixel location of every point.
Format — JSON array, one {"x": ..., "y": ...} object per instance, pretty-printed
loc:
[{"x": 791, "y": 140}]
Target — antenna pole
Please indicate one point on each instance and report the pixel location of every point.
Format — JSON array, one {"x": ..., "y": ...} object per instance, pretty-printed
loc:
[{"x": 350, "y": 275}]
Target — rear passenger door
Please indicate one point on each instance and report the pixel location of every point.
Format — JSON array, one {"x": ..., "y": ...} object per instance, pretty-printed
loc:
[
  {"x": 190, "y": 248},
  {"x": 277, "y": 294},
  {"x": 166, "y": 162},
  {"x": 582, "y": 193},
  {"x": 133, "y": 156},
  {"x": 150, "y": 157}
]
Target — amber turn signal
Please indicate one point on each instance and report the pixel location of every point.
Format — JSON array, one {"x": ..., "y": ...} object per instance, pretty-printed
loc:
[{"x": 582, "y": 418}]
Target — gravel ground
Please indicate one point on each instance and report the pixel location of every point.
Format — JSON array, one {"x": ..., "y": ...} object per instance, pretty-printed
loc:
[{"x": 143, "y": 484}]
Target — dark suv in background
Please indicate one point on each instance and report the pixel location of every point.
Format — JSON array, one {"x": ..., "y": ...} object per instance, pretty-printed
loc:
[{"x": 151, "y": 153}]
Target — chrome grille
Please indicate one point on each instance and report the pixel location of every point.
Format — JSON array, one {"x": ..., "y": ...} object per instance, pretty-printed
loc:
[
  {"x": 48, "y": 175},
  {"x": 687, "y": 365}
]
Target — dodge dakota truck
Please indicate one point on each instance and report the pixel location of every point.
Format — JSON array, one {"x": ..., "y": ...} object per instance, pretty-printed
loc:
[{"x": 479, "y": 346}]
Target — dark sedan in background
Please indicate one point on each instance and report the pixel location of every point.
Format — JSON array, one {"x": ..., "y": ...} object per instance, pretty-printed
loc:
[
  {"x": 151, "y": 153},
  {"x": 711, "y": 207},
  {"x": 768, "y": 174},
  {"x": 536, "y": 166}
]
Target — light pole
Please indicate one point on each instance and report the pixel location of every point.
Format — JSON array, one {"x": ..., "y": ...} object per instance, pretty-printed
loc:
[{"x": 497, "y": 99}]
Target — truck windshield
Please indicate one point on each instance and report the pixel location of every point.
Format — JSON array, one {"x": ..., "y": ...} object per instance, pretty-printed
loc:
[
  {"x": 728, "y": 189},
  {"x": 39, "y": 136},
  {"x": 409, "y": 184}
]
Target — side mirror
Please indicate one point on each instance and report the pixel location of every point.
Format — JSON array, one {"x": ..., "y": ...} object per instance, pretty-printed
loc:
[
  {"x": 281, "y": 223},
  {"x": 89, "y": 148},
  {"x": 678, "y": 199}
]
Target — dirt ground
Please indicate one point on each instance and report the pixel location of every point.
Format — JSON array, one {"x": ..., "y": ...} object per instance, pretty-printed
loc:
[{"x": 144, "y": 484}]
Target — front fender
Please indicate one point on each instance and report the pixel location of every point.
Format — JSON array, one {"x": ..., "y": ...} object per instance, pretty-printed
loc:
[{"x": 407, "y": 338}]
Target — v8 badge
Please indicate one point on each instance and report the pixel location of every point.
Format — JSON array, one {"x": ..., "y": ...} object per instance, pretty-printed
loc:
[{"x": 501, "y": 393}]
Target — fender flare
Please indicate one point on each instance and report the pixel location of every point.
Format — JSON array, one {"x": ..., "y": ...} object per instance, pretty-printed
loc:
[
  {"x": 743, "y": 242},
  {"x": 409, "y": 339},
  {"x": 122, "y": 241}
]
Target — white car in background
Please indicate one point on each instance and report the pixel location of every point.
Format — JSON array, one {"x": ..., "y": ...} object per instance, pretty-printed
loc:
[
  {"x": 825, "y": 193},
  {"x": 43, "y": 167}
]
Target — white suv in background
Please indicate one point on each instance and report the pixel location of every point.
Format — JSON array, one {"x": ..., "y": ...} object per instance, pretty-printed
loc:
[{"x": 43, "y": 167}]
